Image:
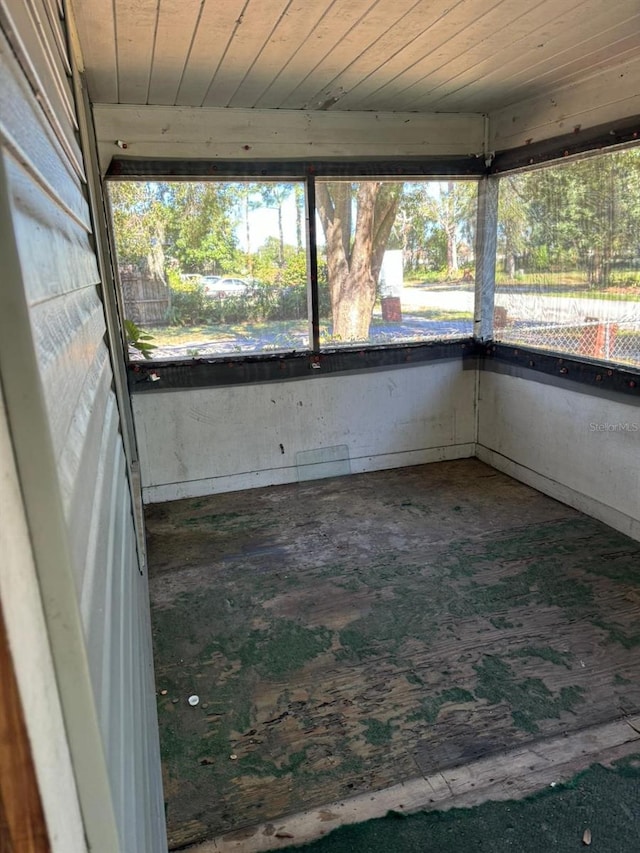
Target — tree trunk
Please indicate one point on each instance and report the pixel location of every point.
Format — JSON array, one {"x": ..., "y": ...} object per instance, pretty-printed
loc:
[
  {"x": 450, "y": 226},
  {"x": 351, "y": 314},
  {"x": 353, "y": 264},
  {"x": 247, "y": 225},
  {"x": 299, "y": 197},
  {"x": 452, "y": 251},
  {"x": 281, "y": 234}
]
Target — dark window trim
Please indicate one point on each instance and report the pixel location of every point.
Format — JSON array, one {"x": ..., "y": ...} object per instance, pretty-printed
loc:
[
  {"x": 600, "y": 375},
  {"x": 599, "y": 139},
  {"x": 591, "y": 140},
  {"x": 141, "y": 169},
  {"x": 147, "y": 377}
]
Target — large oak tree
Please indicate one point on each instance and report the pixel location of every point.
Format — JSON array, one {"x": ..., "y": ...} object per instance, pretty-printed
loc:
[{"x": 357, "y": 220}]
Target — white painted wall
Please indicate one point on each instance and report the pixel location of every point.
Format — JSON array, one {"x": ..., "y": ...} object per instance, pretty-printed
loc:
[
  {"x": 198, "y": 442},
  {"x": 556, "y": 439}
]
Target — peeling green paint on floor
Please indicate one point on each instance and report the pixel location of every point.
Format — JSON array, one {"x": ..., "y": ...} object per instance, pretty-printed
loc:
[{"x": 346, "y": 635}]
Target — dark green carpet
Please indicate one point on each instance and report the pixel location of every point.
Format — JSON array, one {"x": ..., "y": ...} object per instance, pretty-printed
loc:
[{"x": 605, "y": 801}]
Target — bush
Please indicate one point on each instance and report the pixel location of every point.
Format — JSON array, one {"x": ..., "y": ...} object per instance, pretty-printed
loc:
[
  {"x": 624, "y": 278},
  {"x": 188, "y": 301},
  {"x": 538, "y": 259},
  {"x": 191, "y": 306}
]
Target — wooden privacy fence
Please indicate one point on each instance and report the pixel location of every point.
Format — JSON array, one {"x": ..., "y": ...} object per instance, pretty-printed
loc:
[{"x": 146, "y": 299}]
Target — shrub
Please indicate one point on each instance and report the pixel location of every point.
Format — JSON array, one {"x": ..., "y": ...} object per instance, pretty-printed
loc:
[
  {"x": 624, "y": 278},
  {"x": 188, "y": 300}
]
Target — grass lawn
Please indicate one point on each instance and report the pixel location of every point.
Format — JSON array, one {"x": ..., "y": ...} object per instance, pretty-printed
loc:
[{"x": 166, "y": 336}]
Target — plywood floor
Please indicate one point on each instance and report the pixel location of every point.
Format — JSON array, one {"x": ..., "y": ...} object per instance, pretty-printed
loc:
[{"x": 344, "y": 635}]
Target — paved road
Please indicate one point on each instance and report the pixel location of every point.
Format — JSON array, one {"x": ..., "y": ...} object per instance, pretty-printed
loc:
[{"x": 532, "y": 307}]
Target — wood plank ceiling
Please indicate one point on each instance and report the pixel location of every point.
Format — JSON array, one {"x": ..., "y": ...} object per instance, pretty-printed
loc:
[{"x": 380, "y": 55}]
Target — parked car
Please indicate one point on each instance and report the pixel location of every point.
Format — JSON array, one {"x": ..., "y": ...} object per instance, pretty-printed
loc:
[{"x": 215, "y": 286}]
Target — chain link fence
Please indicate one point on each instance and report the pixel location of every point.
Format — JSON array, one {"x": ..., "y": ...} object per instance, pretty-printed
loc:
[{"x": 618, "y": 342}]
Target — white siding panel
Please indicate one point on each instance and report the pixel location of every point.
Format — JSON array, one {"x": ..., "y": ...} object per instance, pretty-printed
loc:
[
  {"x": 54, "y": 15},
  {"x": 54, "y": 293},
  {"x": 26, "y": 132},
  {"x": 69, "y": 261},
  {"x": 26, "y": 630},
  {"x": 29, "y": 31},
  {"x": 92, "y": 414}
]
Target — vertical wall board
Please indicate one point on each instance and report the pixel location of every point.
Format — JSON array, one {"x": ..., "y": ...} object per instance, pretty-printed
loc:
[
  {"x": 29, "y": 642},
  {"x": 155, "y": 824},
  {"x": 138, "y": 702},
  {"x": 68, "y": 335},
  {"x": 66, "y": 427},
  {"x": 579, "y": 448}
]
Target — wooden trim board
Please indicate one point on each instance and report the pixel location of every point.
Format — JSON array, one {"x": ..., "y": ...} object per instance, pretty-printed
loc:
[{"x": 507, "y": 776}]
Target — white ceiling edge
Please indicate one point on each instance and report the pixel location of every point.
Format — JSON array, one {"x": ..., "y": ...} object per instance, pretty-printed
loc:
[{"x": 190, "y": 133}]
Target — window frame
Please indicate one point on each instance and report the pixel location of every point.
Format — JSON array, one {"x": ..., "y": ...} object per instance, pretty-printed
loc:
[
  {"x": 476, "y": 350},
  {"x": 320, "y": 358}
]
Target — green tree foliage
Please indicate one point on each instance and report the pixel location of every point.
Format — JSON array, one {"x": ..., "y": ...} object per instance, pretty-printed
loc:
[
  {"x": 192, "y": 223},
  {"x": 139, "y": 223},
  {"x": 201, "y": 221},
  {"x": 139, "y": 340},
  {"x": 280, "y": 265},
  {"x": 434, "y": 218},
  {"x": 583, "y": 215},
  {"x": 189, "y": 304}
]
